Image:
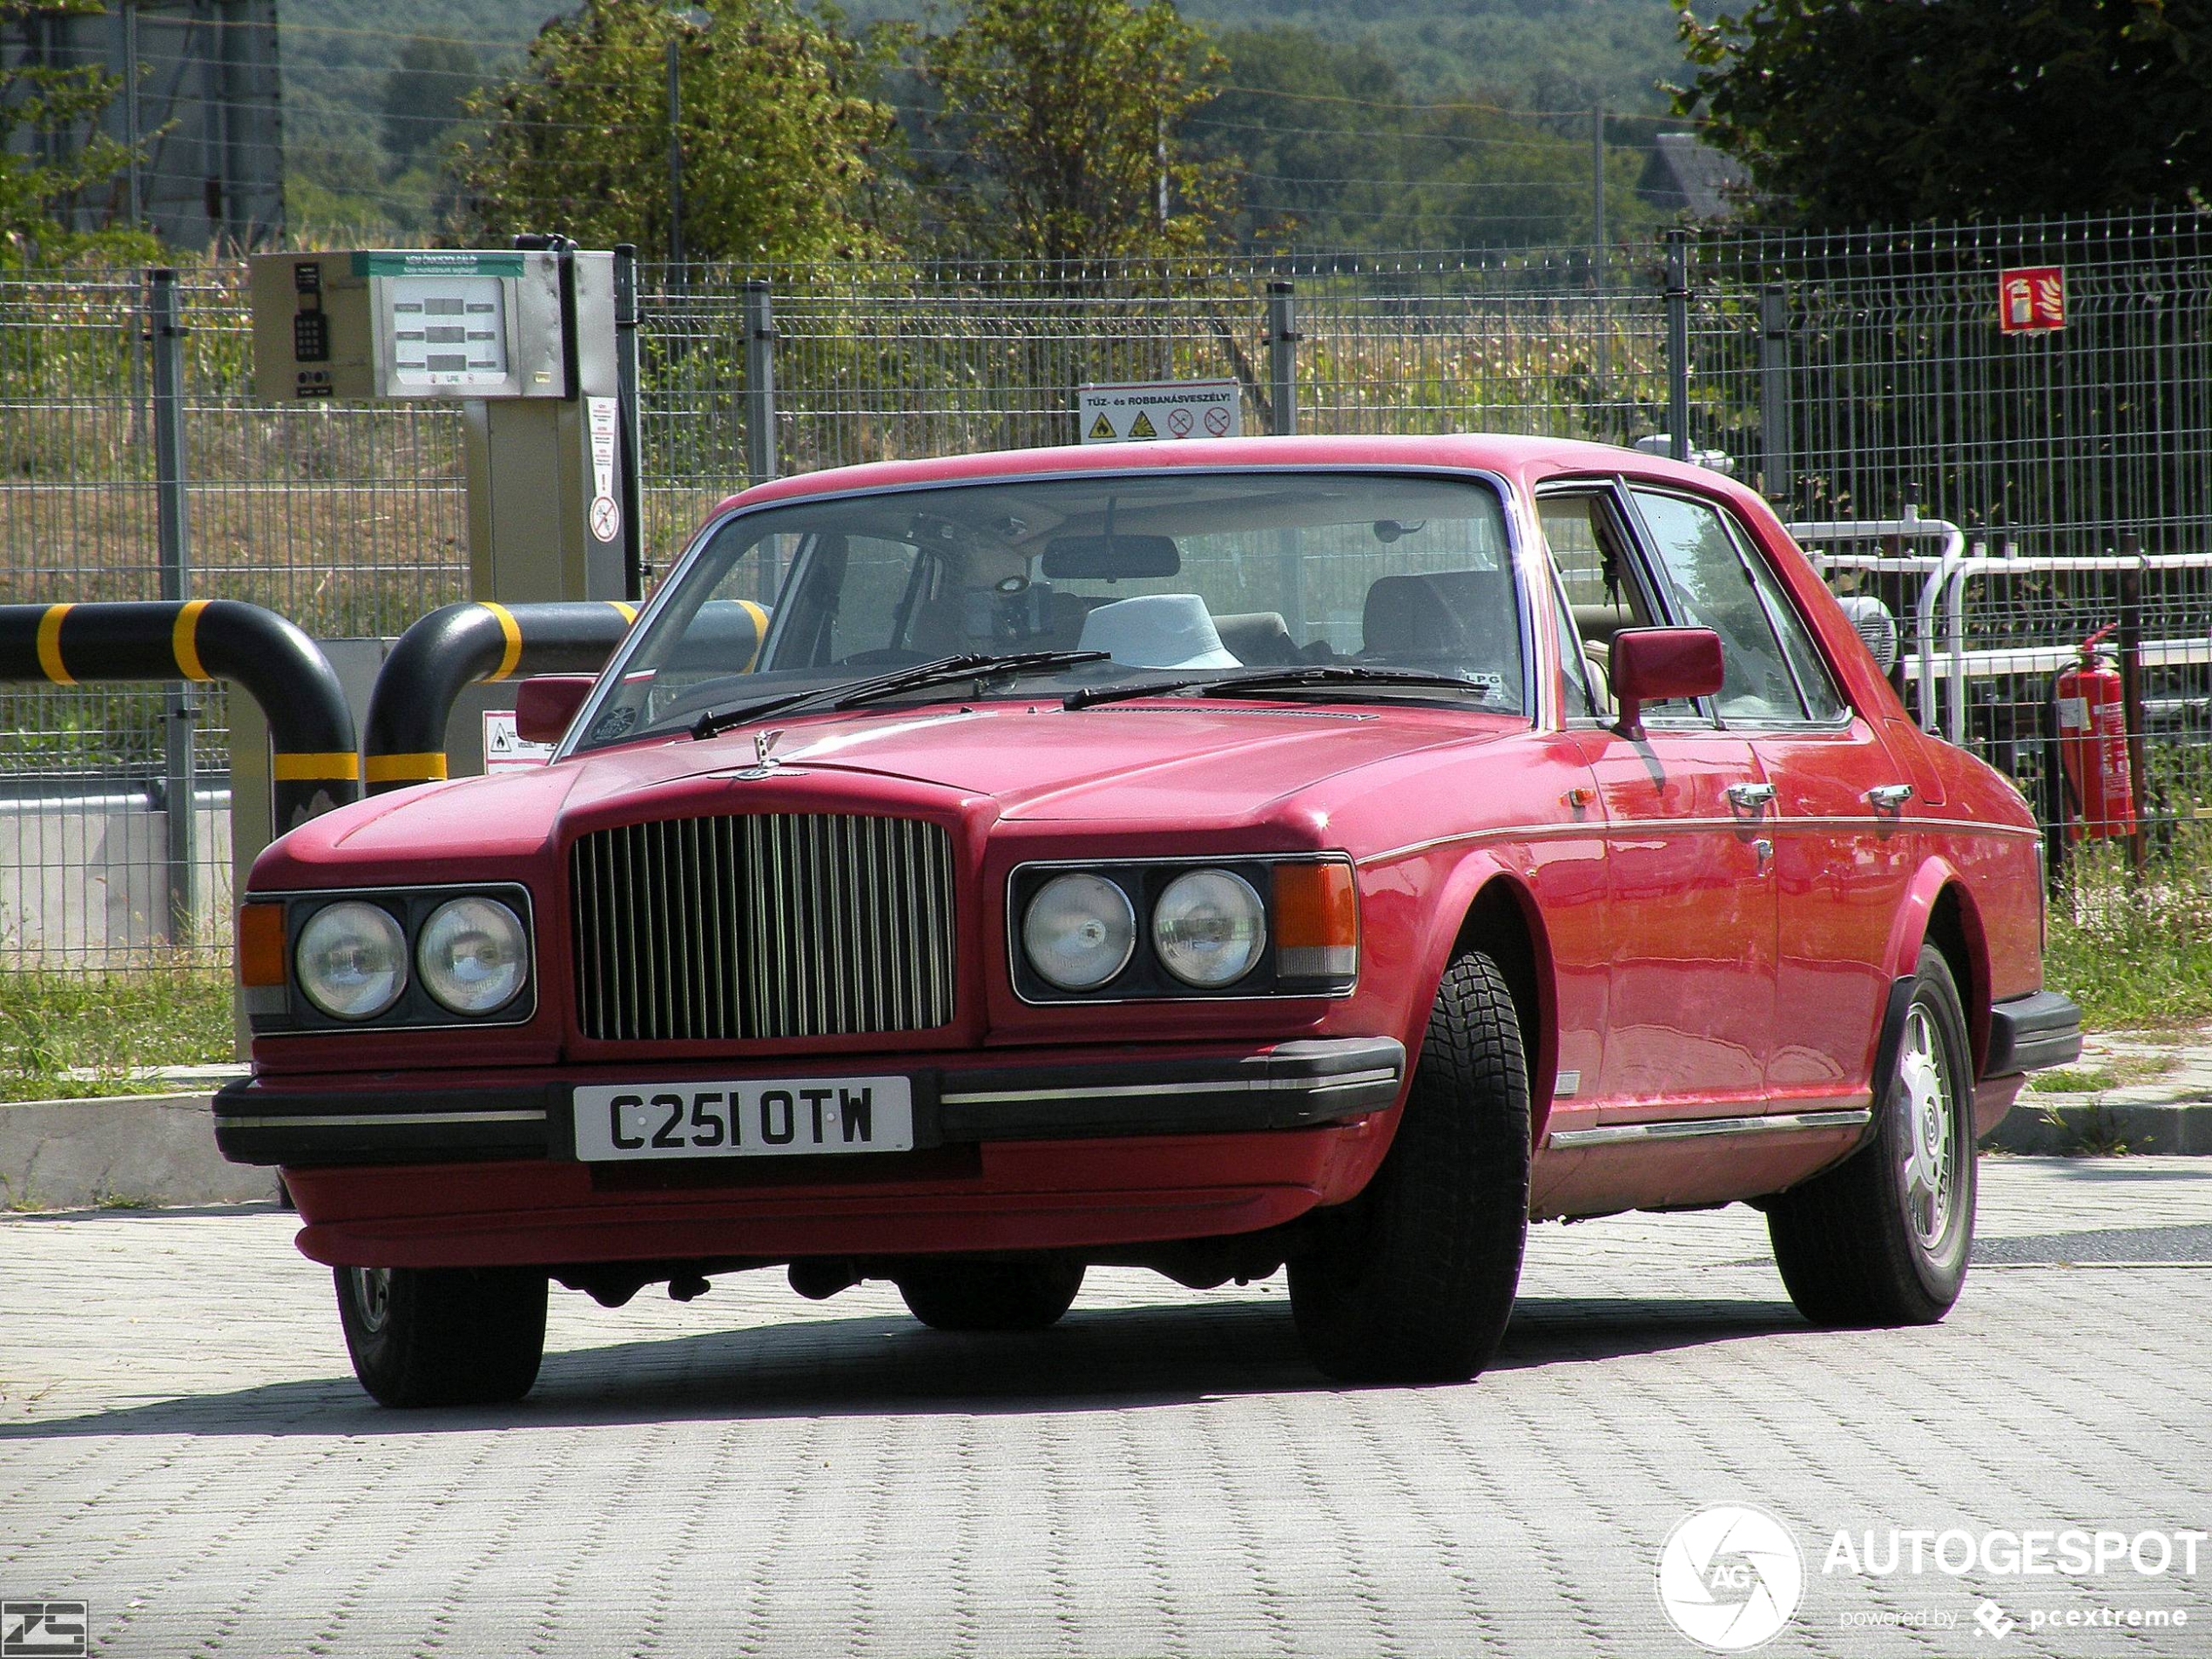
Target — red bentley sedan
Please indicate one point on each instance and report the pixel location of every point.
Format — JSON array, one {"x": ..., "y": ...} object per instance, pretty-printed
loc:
[{"x": 1326, "y": 854}]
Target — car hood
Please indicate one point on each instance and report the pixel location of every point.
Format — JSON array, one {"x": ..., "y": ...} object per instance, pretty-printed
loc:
[{"x": 1136, "y": 762}]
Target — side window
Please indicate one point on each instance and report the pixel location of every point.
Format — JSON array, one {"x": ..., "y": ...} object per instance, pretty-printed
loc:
[
  {"x": 1713, "y": 587},
  {"x": 1600, "y": 595},
  {"x": 1822, "y": 701},
  {"x": 876, "y": 575}
]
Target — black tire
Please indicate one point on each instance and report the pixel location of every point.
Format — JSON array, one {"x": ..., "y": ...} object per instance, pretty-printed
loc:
[
  {"x": 990, "y": 1295},
  {"x": 443, "y": 1336},
  {"x": 1885, "y": 1237},
  {"x": 1414, "y": 1280}
]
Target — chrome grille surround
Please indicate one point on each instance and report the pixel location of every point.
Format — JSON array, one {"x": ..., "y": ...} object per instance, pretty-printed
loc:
[{"x": 762, "y": 926}]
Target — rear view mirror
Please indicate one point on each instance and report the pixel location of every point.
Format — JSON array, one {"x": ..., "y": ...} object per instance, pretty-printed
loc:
[
  {"x": 1651, "y": 664},
  {"x": 545, "y": 705},
  {"x": 1105, "y": 558}
]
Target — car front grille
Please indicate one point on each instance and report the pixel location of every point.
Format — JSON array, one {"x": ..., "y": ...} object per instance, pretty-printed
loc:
[{"x": 767, "y": 925}]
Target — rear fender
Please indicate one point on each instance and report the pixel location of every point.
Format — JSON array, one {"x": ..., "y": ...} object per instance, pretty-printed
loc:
[{"x": 1935, "y": 885}]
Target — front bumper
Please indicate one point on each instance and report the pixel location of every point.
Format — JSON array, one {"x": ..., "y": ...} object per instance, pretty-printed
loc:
[{"x": 1289, "y": 1085}]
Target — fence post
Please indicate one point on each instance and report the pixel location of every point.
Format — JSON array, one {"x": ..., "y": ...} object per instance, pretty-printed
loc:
[
  {"x": 1774, "y": 390},
  {"x": 174, "y": 533},
  {"x": 1282, "y": 359},
  {"x": 2131, "y": 696},
  {"x": 630, "y": 473},
  {"x": 1678, "y": 344},
  {"x": 759, "y": 384}
]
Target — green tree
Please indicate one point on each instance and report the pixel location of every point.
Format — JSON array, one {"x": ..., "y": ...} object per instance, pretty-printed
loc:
[
  {"x": 1873, "y": 111},
  {"x": 1335, "y": 152},
  {"x": 781, "y": 144},
  {"x": 1065, "y": 118},
  {"x": 40, "y": 191},
  {"x": 426, "y": 95}
]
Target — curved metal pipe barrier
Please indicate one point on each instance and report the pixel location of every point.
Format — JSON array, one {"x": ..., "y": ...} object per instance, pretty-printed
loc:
[
  {"x": 316, "y": 765},
  {"x": 460, "y": 645}
]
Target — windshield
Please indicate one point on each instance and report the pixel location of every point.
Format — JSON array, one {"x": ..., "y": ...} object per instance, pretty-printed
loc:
[{"x": 1174, "y": 577}]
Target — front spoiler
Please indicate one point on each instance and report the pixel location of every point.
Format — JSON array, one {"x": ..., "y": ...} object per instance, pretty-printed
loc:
[{"x": 1289, "y": 1085}]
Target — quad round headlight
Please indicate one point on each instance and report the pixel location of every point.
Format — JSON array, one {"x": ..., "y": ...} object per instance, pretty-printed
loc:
[
  {"x": 1079, "y": 931},
  {"x": 1208, "y": 928},
  {"x": 352, "y": 960},
  {"x": 473, "y": 954}
]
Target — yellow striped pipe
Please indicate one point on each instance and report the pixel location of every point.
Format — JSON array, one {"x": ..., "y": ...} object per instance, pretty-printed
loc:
[{"x": 50, "y": 645}]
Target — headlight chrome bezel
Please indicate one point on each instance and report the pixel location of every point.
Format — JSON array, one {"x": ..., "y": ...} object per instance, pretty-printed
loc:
[
  {"x": 1277, "y": 973},
  {"x": 289, "y": 1011}
]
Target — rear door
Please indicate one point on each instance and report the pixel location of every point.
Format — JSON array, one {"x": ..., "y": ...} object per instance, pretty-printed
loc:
[{"x": 1841, "y": 866}]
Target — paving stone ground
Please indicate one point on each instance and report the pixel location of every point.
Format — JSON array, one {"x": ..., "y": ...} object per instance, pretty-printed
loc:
[{"x": 183, "y": 1447}]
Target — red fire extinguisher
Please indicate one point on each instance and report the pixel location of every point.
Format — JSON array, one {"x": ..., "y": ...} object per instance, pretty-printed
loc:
[{"x": 2093, "y": 745}]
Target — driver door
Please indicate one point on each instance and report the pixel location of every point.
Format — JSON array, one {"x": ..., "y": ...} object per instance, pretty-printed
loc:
[{"x": 1690, "y": 889}]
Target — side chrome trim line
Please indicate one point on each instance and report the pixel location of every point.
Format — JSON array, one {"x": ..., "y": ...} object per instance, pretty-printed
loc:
[
  {"x": 1688, "y": 1129},
  {"x": 1762, "y": 823},
  {"x": 1225, "y": 1086}
]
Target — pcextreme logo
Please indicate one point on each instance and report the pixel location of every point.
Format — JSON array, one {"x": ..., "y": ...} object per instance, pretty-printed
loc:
[{"x": 1730, "y": 1577}]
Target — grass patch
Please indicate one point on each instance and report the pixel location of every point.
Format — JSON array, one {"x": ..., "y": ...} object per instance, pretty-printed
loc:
[
  {"x": 2136, "y": 955},
  {"x": 2122, "y": 1071},
  {"x": 169, "y": 1012}
]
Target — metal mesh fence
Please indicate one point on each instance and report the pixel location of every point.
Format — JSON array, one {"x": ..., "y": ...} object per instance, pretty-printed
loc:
[
  {"x": 1861, "y": 382},
  {"x": 349, "y": 519}
]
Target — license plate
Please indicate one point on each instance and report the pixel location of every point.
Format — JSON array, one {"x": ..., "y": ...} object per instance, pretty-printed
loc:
[{"x": 774, "y": 1117}]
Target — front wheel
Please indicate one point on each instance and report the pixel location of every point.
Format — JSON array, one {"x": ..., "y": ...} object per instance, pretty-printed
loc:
[
  {"x": 1414, "y": 1280},
  {"x": 457, "y": 1336},
  {"x": 1884, "y": 1238}
]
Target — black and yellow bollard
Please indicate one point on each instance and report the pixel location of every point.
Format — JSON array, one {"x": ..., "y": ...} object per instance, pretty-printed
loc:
[
  {"x": 316, "y": 765},
  {"x": 460, "y": 645}
]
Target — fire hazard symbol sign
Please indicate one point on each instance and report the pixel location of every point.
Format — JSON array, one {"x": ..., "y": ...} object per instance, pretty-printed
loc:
[
  {"x": 2031, "y": 299},
  {"x": 1167, "y": 409}
]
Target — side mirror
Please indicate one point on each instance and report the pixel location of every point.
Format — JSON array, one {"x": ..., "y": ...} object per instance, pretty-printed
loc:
[
  {"x": 1651, "y": 664},
  {"x": 545, "y": 704}
]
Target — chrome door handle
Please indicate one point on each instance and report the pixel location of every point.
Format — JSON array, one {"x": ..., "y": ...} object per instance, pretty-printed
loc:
[
  {"x": 1751, "y": 797},
  {"x": 1889, "y": 798},
  {"x": 1762, "y": 850}
]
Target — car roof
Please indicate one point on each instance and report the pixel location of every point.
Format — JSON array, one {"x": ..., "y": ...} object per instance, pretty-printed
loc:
[{"x": 1516, "y": 456}]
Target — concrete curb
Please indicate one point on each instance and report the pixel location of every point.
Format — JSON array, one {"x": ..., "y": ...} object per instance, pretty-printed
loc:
[
  {"x": 133, "y": 1151},
  {"x": 2072, "y": 1125}
]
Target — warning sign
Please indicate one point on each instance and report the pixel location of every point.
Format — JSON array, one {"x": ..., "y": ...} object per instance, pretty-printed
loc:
[
  {"x": 505, "y": 748},
  {"x": 601, "y": 415},
  {"x": 1167, "y": 409}
]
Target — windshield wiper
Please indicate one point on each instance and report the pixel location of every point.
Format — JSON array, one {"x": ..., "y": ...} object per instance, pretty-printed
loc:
[
  {"x": 847, "y": 694},
  {"x": 1275, "y": 679}
]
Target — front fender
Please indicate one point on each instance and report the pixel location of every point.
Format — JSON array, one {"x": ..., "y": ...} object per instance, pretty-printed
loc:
[{"x": 1462, "y": 899}]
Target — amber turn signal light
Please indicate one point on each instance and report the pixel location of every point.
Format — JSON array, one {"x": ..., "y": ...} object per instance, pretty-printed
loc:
[
  {"x": 1316, "y": 920},
  {"x": 260, "y": 944}
]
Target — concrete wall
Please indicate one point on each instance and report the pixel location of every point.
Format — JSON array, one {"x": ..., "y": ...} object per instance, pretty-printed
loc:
[{"x": 85, "y": 880}]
